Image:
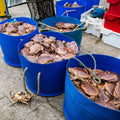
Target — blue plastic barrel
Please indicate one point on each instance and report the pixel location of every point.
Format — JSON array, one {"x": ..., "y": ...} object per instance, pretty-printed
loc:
[
  {"x": 76, "y": 11},
  {"x": 75, "y": 35},
  {"x": 79, "y": 107},
  {"x": 52, "y": 77},
  {"x": 9, "y": 43},
  {"x": 90, "y": 3}
]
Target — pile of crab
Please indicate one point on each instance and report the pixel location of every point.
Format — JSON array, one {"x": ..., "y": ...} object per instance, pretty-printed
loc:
[
  {"x": 107, "y": 93},
  {"x": 42, "y": 49},
  {"x": 62, "y": 27},
  {"x": 16, "y": 28},
  {"x": 75, "y": 4}
]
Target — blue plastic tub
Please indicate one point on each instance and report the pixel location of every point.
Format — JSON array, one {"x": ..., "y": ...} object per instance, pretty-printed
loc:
[
  {"x": 75, "y": 35},
  {"x": 9, "y": 43},
  {"x": 76, "y": 105},
  {"x": 90, "y": 3},
  {"x": 60, "y": 10},
  {"x": 52, "y": 77}
]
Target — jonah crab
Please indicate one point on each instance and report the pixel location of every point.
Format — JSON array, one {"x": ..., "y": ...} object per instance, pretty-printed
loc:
[
  {"x": 106, "y": 93},
  {"x": 16, "y": 28},
  {"x": 42, "y": 49},
  {"x": 61, "y": 27},
  {"x": 25, "y": 97}
]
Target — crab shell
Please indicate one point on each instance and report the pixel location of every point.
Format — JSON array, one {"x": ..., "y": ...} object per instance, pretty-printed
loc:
[
  {"x": 117, "y": 91},
  {"x": 109, "y": 88},
  {"x": 109, "y": 77},
  {"x": 89, "y": 89},
  {"x": 102, "y": 96},
  {"x": 77, "y": 71},
  {"x": 108, "y": 105},
  {"x": 21, "y": 97}
]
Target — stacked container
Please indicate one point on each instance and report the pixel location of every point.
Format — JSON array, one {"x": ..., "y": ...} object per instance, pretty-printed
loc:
[
  {"x": 111, "y": 30},
  {"x": 112, "y": 16}
]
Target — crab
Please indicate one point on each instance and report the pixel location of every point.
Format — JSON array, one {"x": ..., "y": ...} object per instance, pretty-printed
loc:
[
  {"x": 116, "y": 103},
  {"x": 108, "y": 105},
  {"x": 32, "y": 58},
  {"x": 59, "y": 44},
  {"x": 28, "y": 44},
  {"x": 79, "y": 73},
  {"x": 45, "y": 44},
  {"x": 25, "y": 97},
  {"x": 117, "y": 91},
  {"x": 61, "y": 51},
  {"x": 77, "y": 83},
  {"x": 68, "y": 5},
  {"x": 102, "y": 96},
  {"x": 30, "y": 28},
  {"x": 17, "y": 23},
  {"x": 59, "y": 24},
  {"x": 48, "y": 40},
  {"x": 24, "y": 52},
  {"x": 42, "y": 49},
  {"x": 68, "y": 55},
  {"x": 11, "y": 29},
  {"x": 17, "y": 28},
  {"x": 89, "y": 89},
  {"x": 109, "y": 76},
  {"x": 68, "y": 26},
  {"x": 72, "y": 47},
  {"x": 38, "y": 37},
  {"x": 21, "y": 97},
  {"x": 21, "y": 29},
  {"x": 75, "y": 4},
  {"x": 108, "y": 89},
  {"x": 34, "y": 49},
  {"x": 45, "y": 59}
]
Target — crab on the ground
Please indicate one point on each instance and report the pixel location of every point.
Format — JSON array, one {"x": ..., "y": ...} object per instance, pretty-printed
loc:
[{"x": 25, "y": 97}]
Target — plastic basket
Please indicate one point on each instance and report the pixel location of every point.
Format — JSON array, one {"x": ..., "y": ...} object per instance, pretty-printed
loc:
[
  {"x": 41, "y": 9},
  {"x": 114, "y": 7},
  {"x": 52, "y": 77},
  {"x": 111, "y": 38},
  {"x": 9, "y": 43},
  {"x": 72, "y": 11},
  {"x": 75, "y": 35},
  {"x": 79, "y": 107},
  {"x": 112, "y": 22}
]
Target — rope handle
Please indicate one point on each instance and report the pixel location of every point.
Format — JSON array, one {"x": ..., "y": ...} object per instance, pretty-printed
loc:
[
  {"x": 98, "y": 81},
  {"x": 48, "y": 26},
  {"x": 38, "y": 81},
  {"x": 84, "y": 28},
  {"x": 78, "y": 25},
  {"x": 67, "y": 11}
]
